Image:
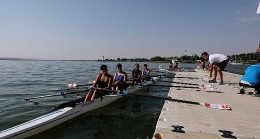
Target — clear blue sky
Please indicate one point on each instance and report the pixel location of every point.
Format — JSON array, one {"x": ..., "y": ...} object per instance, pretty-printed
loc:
[{"x": 88, "y": 29}]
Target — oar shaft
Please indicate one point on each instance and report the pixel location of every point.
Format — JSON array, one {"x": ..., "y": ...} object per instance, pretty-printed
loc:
[
  {"x": 167, "y": 98},
  {"x": 187, "y": 77},
  {"x": 215, "y": 106},
  {"x": 53, "y": 95},
  {"x": 178, "y": 82},
  {"x": 174, "y": 86}
]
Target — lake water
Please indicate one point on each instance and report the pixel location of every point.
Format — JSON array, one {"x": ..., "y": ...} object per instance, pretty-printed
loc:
[{"x": 128, "y": 118}]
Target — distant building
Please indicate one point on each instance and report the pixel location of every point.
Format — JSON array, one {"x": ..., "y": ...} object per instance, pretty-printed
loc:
[
  {"x": 258, "y": 53},
  {"x": 103, "y": 58},
  {"x": 258, "y": 49}
]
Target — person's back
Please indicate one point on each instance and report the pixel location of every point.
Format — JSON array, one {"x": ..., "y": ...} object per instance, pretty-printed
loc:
[
  {"x": 217, "y": 58},
  {"x": 251, "y": 76}
]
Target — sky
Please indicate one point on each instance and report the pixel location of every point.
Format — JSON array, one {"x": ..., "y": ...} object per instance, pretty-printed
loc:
[{"x": 89, "y": 29}]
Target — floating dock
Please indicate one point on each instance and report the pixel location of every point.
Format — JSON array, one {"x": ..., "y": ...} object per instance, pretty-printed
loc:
[{"x": 188, "y": 121}]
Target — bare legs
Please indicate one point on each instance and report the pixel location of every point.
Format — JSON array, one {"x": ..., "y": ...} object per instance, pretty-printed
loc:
[
  {"x": 220, "y": 75},
  {"x": 219, "y": 71},
  {"x": 91, "y": 95}
]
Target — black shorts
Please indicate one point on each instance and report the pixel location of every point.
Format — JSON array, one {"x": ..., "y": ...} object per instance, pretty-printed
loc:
[{"x": 223, "y": 64}]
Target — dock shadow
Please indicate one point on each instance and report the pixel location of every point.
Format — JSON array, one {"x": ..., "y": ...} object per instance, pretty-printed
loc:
[
  {"x": 227, "y": 134},
  {"x": 217, "y": 91}
]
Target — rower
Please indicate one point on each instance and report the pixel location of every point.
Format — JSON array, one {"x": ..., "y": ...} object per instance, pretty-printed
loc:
[
  {"x": 120, "y": 79},
  {"x": 103, "y": 80},
  {"x": 136, "y": 75},
  {"x": 171, "y": 67},
  {"x": 146, "y": 73}
]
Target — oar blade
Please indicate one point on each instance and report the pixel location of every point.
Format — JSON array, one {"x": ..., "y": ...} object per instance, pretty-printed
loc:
[
  {"x": 72, "y": 85},
  {"x": 217, "y": 106},
  {"x": 208, "y": 87}
]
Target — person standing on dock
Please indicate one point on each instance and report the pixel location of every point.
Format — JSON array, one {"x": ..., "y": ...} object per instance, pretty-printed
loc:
[
  {"x": 120, "y": 79},
  {"x": 103, "y": 80},
  {"x": 218, "y": 63}
]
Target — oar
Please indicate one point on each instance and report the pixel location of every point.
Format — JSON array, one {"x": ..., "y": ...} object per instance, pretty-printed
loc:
[
  {"x": 179, "y": 83},
  {"x": 74, "y": 85},
  {"x": 57, "y": 94},
  {"x": 189, "y": 83},
  {"x": 71, "y": 86},
  {"x": 205, "y": 87},
  {"x": 208, "y": 105},
  {"x": 173, "y": 86},
  {"x": 123, "y": 92},
  {"x": 187, "y": 77}
]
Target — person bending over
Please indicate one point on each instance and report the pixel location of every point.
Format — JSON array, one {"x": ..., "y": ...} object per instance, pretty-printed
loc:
[{"x": 217, "y": 63}]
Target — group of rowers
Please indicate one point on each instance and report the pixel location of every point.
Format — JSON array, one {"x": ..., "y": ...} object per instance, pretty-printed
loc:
[{"x": 118, "y": 81}]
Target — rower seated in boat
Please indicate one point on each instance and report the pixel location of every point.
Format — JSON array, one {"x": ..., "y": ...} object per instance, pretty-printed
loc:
[
  {"x": 174, "y": 67},
  {"x": 146, "y": 73},
  {"x": 103, "y": 80},
  {"x": 136, "y": 75},
  {"x": 170, "y": 68},
  {"x": 120, "y": 79}
]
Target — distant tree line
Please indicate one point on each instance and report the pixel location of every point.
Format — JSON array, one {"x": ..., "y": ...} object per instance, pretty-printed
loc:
[{"x": 246, "y": 58}]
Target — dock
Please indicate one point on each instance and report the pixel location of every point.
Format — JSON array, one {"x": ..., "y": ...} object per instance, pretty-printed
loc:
[{"x": 188, "y": 121}]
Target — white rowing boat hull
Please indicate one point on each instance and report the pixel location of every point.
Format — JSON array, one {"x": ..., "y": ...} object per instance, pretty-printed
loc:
[
  {"x": 169, "y": 73},
  {"x": 54, "y": 118},
  {"x": 62, "y": 113}
]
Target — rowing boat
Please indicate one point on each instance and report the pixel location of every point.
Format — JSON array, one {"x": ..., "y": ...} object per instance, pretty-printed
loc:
[
  {"x": 64, "y": 112},
  {"x": 167, "y": 73},
  {"x": 170, "y": 73}
]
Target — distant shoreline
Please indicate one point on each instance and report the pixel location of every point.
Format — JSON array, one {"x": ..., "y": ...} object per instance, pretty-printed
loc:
[{"x": 28, "y": 59}]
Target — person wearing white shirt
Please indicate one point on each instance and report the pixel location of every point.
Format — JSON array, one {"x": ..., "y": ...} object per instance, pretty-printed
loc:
[{"x": 218, "y": 63}]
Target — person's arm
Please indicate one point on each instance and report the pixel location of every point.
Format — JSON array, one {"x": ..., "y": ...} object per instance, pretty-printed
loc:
[
  {"x": 132, "y": 75},
  {"x": 97, "y": 79},
  {"x": 110, "y": 81},
  {"x": 210, "y": 69},
  {"x": 140, "y": 75},
  {"x": 114, "y": 78},
  {"x": 125, "y": 77}
]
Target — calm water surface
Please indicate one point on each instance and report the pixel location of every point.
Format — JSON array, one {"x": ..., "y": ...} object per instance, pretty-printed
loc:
[{"x": 129, "y": 117}]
